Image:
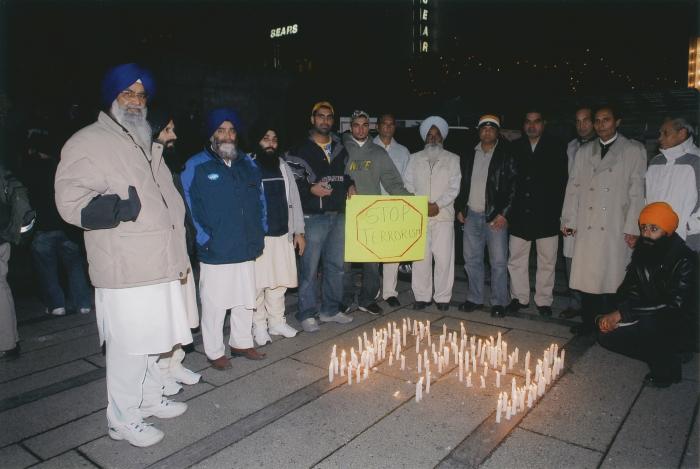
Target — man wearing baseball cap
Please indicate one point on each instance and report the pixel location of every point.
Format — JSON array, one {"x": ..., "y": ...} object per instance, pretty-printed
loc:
[
  {"x": 657, "y": 315},
  {"x": 483, "y": 205}
]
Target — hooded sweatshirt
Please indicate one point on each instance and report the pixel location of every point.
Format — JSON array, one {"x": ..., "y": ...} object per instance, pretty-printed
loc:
[{"x": 369, "y": 165}]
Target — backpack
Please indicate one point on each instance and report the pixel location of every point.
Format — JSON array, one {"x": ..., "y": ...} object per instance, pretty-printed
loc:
[{"x": 16, "y": 215}]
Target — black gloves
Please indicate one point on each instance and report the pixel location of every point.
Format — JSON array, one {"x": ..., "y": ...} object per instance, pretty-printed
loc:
[
  {"x": 107, "y": 211},
  {"x": 128, "y": 210}
]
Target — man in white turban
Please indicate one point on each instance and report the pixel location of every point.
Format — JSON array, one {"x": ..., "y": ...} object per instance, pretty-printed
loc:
[{"x": 435, "y": 172}]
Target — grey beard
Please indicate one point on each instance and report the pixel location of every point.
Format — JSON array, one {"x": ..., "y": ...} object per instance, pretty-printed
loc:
[
  {"x": 433, "y": 147},
  {"x": 227, "y": 151},
  {"x": 135, "y": 123}
]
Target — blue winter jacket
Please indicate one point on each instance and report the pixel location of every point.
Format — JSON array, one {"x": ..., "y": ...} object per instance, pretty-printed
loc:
[{"x": 228, "y": 207}]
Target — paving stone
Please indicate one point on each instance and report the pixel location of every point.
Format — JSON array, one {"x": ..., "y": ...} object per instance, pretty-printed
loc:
[
  {"x": 525, "y": 449},
  {"x": 319, "y": 355},
  {"x": 39, "y": 416},
  {"x": 533, "y": 325},
  {"x": 98, "y": 360},
  {"x": 280, "y": 349},
  {"x": 35, "y": 342},
  {"x": 44, "y": 378},
  {"x": 418, "y": 434},
  {"x": 16, "y": 457},
  {"x": 69, "y": 436},
  {"x": 650, "y": 434},
  {"x": 472, "y": 328},
  {"x": 195, "y": 361},
  {"x": 596, "y": 395},
  {"x": 328, "y": 423},
  {"x": 49, "y": 325},
  {"x": 208, "y": 413},
  {"x": 690, "y": 458},
  {"x": 49, "y": 357},
  {"x": 70, "y": 459}
]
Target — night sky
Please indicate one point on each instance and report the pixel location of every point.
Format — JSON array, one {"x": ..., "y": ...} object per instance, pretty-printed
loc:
[{"x": 358, "y": 53}]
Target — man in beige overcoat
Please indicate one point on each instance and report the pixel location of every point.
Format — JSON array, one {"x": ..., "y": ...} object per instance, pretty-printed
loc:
[{"x": 604, "y": 196}]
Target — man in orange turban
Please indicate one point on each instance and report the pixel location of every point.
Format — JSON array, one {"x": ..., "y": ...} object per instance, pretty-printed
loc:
[{"x": 657, "y": 315}]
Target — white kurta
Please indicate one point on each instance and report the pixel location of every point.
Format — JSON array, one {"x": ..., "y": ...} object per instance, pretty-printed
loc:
[
  {"x": 189, "y": 292},
  {"x": 143, "y": 320},
  {"x": 277, "y": 266}
]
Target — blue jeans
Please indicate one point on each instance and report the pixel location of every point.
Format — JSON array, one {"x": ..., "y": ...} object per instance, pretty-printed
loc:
[
  {"x": 47, "y": 248},
  {"x": 478, "y": 233},
  {"x": 325, "y": 242}
]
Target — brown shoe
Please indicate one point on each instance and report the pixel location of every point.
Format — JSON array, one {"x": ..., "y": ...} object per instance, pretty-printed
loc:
[
  {"x": 249, "y": 353},
  {"x": 221, "y": 363},
  {"x": 569, "y": 313}
]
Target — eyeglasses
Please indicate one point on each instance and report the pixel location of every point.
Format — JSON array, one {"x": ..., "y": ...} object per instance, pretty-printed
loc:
[{"x": 128, "y": 94}]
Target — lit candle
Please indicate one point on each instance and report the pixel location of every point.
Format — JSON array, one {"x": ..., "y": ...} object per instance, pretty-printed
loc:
[
  {"x": 512, "y": 387},
  {"x": 503, "y": 369},
  {"x": 508, "y": 411},
  {"x": 427, "y": 381},
  {"x": 473, "y": 364},
  {"x": 527, "y": 360},
  {"x": 357, "y": 374},
  {"x": 417, "y": 345},
  {"x": 335, "y": 365},
  {"x": 403, "y": 362},
  {"x": 391, "y": 358},
  {"x": 420, "y": 364},
  {"x": 418, "y": 389},
  {"x": 404, "y": 335},
  {"x": 330, "y": 372},
  {"x": 446, "y": 353},
  {"x": 359, "y": 344},
  {"x": 469, "y": 380},
  {"x": 517, "y": 355},
  {"x": 350, "y": 375},
  {"x": 444, "y": 329},
  {"x": 498, "y": 379},
  {"x": 461, "y": 366},
  {"x": 563, "y": 352},
  {"x": 483, "y": 381},
  {"x": 527, "y": 377},
  {"x": 440, "y": 361}
]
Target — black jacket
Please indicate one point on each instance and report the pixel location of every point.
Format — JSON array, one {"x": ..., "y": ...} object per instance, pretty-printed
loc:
[
  {"x": 540, "y": 185},
  {"x": 309, "y": 164},
  {"x": 669, "y": 288},
  {"x": 500, "y": 187}
]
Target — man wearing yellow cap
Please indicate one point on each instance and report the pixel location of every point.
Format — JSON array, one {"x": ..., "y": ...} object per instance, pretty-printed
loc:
[{"x": 657, "y": 315}]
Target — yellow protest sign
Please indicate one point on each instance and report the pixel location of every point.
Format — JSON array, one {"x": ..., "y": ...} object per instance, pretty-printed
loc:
[{"x": 385, "y": 228}]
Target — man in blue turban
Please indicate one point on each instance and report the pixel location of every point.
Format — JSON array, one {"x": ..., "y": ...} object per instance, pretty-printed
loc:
[{"x": 111, "y": 181}]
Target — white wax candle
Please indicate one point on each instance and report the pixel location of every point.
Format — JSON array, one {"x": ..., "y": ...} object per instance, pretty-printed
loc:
[
  {"x": 404, "y": 335},
  {"x": 444, "y": 329},
  {"x": 486, "y": 370},
  {"x": 527, "y": 377},
  {"x": 498, "y": 410},
  {"x": 427, "y": 382},
  {"x": 365, "y": 375},
  {"x": 563, "y": 352},
  {"x": 334, "y": 351},
  {"x": 357, "y": 374},
  {"x": 432, "y": 348},
  {"x": 503, "y": 369},
  {"x": 417, "y": 346},
  {"x": 517, "y": 355},
  {"x": 446, "y": 353},
  {"x": 469, "y": 380},
  {"x": 359, "y": 344},
  {"x": 350, "y": 375},
  {"x": 440, "y": 361},
  {"x": 473, "y": 364},
  {"x": 418, "y": 386},
  {"x": 498, "y": 379},
  {"x": 508, "y": 411},
  {"x": 420, "y": 364},
  {"x": 527, "y": 360},
  {"x": 391, "y": 358},
  {"x": 335, "y": 365},
  {"x": 425, "y": 358},
  {"x": 330, "y": 372},
  {"x": 512, "y": 387},
  {"x": 403, "y": 362},
  {"x": 483, "y": 381}
]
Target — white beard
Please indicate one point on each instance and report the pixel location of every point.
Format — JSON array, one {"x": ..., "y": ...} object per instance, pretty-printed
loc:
[
  {"x": 135, "y": 123},
  {"x": 227, "y": 151}
]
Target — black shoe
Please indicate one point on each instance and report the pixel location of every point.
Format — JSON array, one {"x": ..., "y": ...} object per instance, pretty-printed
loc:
[
  {"x": 654, "y": 382},
  {"x": 373, "y": 308},
  {"x": 468, "y": 306},
  {"x": 545, "y": 311},
  {"x": 569, "y": 313},
  {"x": 418, "y": 305},
  {"x": 582, "y": 329},
  {"x": 393, "y": 301},
  {"x": 515, "y": 306},
  {"x": 498, "y": 311},
  {"x": 11, "y": 354},
  {"x": 443, "y": 306},
  {"x": 346, "y": 309}
]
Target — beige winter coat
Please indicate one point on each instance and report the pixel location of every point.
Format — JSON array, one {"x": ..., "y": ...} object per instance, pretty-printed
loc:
[
  {"x": 102, "y": 159},
  {"x": 602, "y": 203},
  {"x": 440, "y": 183}
]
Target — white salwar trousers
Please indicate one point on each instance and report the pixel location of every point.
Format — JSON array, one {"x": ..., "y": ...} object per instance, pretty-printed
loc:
[
  {"x": 222, "y": 287},
  {"x": 439, "y": 245},
  {"x": 390, "y": 275},
  {"x": 275, "y": 271},
  {"x": 137, "y": 324}
]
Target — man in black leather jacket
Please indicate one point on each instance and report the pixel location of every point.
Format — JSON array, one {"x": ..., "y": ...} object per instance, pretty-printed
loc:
[
  {"x": 483, "y": 205},
  {"x": 657, "y": 316}
]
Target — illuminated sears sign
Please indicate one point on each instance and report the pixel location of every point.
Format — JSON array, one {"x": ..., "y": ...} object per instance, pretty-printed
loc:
[
  {"x": 284, "y": 31},
  {"x": 424, "y": 25}
]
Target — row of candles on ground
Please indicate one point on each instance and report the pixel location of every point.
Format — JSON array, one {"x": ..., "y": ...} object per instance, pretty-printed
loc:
[{"x": 470, "y": 354}]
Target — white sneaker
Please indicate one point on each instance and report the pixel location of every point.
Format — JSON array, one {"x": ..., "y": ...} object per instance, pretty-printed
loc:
[
  {"x": 57, "y": 311},
  {"x": 184, "y": 376},
  {"x": 340, "y": 318},
  {"x": 139, "y": 434},
  {"x": 85, "y": 310},
  {"x": 310, "y": 325},
  {"x": 167, "y": 409},
  {"x": 170, "y": 387},
  {"x": 282, "y": 329},
  {"x": 261, "y": 336}
]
